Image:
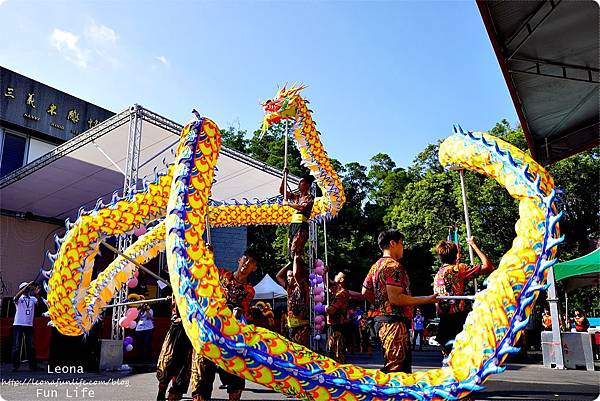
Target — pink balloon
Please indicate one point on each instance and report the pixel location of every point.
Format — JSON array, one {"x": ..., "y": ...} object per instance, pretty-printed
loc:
[
  {"x": 319, "y": 262},
  {"x": 124, "y": 322},
  {"x": 132, "y": 283},
  {"x": 136, "y": 273},
  {"x": 319, "y": 319},
  {"x": 318, "y": 298},
  {"x": 132, "y": 325},
  {"x": 132, "y": 313},
  {"x": 320, "y": 327},
  {"x": 318, "y": 290},
  {"x": 320, "y": 270}
]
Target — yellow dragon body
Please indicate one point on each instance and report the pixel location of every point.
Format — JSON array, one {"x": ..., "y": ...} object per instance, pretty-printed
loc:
[{"x": 181, "y": 196}]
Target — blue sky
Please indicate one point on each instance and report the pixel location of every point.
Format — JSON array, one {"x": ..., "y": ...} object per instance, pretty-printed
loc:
[{"x": 383, "y": 76}]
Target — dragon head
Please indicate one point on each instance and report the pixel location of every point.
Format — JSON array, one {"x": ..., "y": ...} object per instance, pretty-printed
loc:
[{"x": 283, "y": 106}]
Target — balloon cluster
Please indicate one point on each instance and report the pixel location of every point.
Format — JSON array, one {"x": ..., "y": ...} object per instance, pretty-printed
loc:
[
  {"x": 133, "y": 282},
  {"x": 128, "y": 321},
  {"x": 128, "y": 343},
  {"x": 316, "y": 282}
]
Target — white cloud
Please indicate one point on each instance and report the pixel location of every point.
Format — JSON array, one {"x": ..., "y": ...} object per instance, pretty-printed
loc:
[
  {"x": 67, "y": 44},
  {"x": 101, "y": 34},
  {"x": 96, "y": 46},
  {"x": 2, "y": 2},
  {"x": 163, "y": 60}
]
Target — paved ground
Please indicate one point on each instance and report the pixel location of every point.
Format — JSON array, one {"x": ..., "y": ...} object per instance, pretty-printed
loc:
[{"x": 519, "y": 382}]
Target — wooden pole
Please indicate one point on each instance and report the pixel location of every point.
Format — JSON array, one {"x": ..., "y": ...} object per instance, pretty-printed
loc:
[
  {"x": 285, "y": 160},
  {"x": 132, "y": 303},
  {"x": 208, "y": 233},
  {"x": 457, "y": 297},
  {"x": 467, "y": 221},
  {"x": 326, "y": 260},
  {"x": 139, "y": 266}
]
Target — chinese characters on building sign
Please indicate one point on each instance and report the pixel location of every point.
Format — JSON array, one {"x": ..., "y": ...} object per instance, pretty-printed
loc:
[
  {"x": 31, "y": 100},
  {"x": 52, "y": 109},
  {"x": 72, "y": 115}
]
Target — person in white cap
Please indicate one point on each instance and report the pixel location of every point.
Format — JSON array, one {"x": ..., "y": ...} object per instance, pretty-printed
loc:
[{"x": 25, "y": 301}]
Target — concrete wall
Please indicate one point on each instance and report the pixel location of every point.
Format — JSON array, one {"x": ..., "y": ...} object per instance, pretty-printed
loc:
[
  {"x": 23, "y": 246},
  {"x": 229, "y": 244}
]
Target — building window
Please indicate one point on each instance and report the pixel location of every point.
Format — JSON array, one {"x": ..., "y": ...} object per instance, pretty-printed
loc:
[{"x": 13, "y": 153}]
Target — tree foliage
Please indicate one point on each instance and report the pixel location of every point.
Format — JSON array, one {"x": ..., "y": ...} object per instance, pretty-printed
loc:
[{"x": 423, "y": 201}]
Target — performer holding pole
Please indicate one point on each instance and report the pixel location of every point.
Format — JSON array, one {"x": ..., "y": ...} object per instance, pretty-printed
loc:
[{"x": 449, "y": 285}]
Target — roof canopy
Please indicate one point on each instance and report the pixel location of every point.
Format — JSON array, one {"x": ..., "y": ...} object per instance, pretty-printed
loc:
[
  {"x": 549, "y": 54},
  {"x": 269, "y": 289},
  {"x": 580, "y": 272},
  {"x": 91, "y": 166}
]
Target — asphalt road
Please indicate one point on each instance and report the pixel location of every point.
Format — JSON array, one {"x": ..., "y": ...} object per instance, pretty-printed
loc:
[{"x": 519, "y": 382}]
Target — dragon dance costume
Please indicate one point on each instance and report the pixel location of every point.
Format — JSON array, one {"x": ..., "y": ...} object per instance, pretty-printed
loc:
[
  {"x": 237, "y": 295},
  {"x": 392, "y": 325},
  {"x": 337, "y": 318},
  {"x": 174, "y": 360}
]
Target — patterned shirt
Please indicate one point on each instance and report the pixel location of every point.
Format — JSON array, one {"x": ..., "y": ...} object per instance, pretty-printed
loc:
[
  {"x": 306, "y": 203},
  {"x": 387, "y": 271},
  {"x": 238, "y": 295},
  {"x": 339, "y": 307},
  {"x": 298, "y": 303},
  {"x": 450, "y": 280}
]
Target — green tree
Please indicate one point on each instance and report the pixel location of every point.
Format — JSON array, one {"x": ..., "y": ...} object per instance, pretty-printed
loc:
[{"x": 422, "y": 201}]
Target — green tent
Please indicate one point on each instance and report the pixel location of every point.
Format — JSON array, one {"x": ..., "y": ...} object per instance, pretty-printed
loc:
[{"x": 580, "y": 272}]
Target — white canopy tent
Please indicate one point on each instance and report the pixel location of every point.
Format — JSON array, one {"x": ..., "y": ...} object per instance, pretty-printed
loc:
[
  {"x": 269, "y": 289},
  {"x": 114, "y": 156},
  {"x": 94, "y": 164}
]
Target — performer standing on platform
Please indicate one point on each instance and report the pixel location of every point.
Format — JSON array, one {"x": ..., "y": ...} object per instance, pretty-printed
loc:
[
  {"x": 238, "y": 293},
  {"x": 298, "y": 232},
  {"x": 298, "y": 302},
  {"x": 388, "y": 288},
  {"x": 450, "y": 281},
  {"x": 337, "y": 317}
]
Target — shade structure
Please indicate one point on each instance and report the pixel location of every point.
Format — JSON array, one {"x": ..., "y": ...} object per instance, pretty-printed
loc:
[
  {"x": 548, "y": 52},
  {"x": 580, "y": 272},
  {"x": 91, "y": 166},
  {"x": 267, "y": 288}
]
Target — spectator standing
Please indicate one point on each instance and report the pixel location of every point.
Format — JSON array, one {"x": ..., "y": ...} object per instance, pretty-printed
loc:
[
  {"x": 25, "y": 300},
  {"x": 546, "y": 320},
  {"x": 144, "y": 330},
  {"x": 418, "y": 328},
  {"x": 581, "y": 321}
]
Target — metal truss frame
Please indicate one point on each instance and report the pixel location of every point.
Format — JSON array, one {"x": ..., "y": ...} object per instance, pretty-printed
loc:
[{"x": 129, "y": 186}]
